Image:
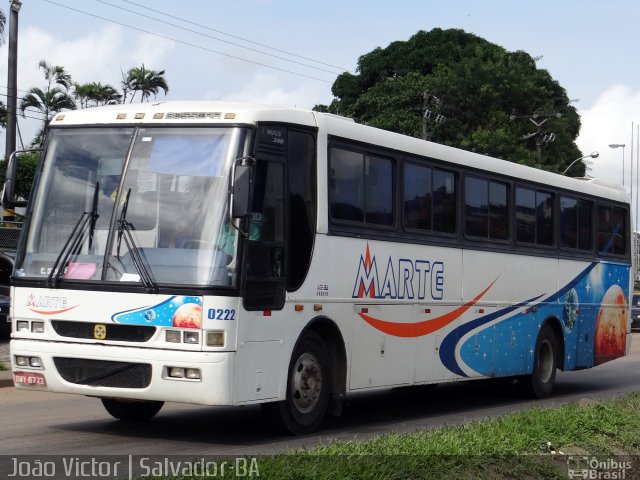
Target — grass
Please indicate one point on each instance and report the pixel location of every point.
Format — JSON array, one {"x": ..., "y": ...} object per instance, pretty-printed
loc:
[
  {"x": 532, "y": 444},
  {"x": 3, "y": 367}
]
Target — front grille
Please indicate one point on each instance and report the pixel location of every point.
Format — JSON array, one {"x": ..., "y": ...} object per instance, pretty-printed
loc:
[
  {"x": 115, "y": 332},
  {"x": 101, "y": 373}
]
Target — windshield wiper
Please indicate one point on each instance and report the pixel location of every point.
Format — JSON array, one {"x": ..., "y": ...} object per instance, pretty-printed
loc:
[
  {"x": 93, "y": 217},
  {"x": 124, "y": 231},
  {"x": 75, "y": 240}
]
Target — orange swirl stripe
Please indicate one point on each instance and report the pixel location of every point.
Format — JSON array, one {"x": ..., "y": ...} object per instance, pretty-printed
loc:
[
  {"x": 425, "y": 327},
  {"x": 51, "y": 312}
]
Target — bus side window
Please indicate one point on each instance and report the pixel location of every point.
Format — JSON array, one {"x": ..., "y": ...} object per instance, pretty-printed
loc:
[{"x": 268, "y": 202}]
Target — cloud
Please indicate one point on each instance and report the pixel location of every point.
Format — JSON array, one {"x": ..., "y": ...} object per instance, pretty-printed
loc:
[
  {"x": 609, "y": 121},
  {"x": 272, "y": 89},
  {"x": 99, "y": 56}
]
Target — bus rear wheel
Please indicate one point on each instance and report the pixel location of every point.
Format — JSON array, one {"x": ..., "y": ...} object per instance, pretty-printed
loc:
[
  {"x": 308, "y": 389},
  {"x": 545, "y": 362},
  {"x": 131, "y": 410}
]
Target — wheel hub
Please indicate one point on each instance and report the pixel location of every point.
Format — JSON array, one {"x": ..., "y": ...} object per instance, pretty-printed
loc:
[{"x": 306, "y": 382}]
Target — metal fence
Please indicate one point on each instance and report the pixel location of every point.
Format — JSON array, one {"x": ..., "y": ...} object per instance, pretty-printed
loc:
[{"x": 10, "y": 234}]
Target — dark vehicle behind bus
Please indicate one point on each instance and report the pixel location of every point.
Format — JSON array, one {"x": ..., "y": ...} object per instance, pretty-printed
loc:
[
  {"x": 635, "y": 311},
  {"x": 9, "y": 235}
]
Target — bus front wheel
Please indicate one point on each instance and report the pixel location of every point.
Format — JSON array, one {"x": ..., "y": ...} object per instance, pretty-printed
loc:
[
  {"x": 131, "y": 410},
  {"x": 545, "y": 362},
  {"x": 308, "y": 388}
]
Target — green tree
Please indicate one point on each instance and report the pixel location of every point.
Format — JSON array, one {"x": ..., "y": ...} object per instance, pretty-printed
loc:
[
  {"x": 458, "y": 89},
  {"x": 94, "y": 94},
  {"x": 25, "y": 171},
  {"x": 3, "y": 23},
  {"x": 50, "y": 100},
  {"x": 55, "y": 75},
  {"x": 146, "y": 81},
  {"x": 3, "y": 115}
]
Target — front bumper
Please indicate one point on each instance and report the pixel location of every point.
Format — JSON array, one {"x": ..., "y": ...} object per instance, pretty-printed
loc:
[{"x": 214, "y": 388}]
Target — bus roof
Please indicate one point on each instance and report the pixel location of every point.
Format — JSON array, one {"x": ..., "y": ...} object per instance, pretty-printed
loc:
[{"x": 211, "y": 112}]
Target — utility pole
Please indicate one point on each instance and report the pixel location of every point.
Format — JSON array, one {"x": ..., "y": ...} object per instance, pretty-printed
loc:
[
  {"x": 12, "y": 89},
  {"x": 541, "y": 136},
  {"x": 428, "y": 115}
]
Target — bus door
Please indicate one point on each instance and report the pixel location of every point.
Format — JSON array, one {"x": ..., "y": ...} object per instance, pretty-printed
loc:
[{"x": 265, "y": 265}]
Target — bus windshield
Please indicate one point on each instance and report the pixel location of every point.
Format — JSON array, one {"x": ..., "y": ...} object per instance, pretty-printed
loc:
[{"x": 141, "y": 205}]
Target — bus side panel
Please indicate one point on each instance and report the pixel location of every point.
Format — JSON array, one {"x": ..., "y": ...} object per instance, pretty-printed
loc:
[
  {"x": 381, "y": 359},
  {"x": 578, "y": 317},
  {"x": 499, "y": 339},
  {"x": 264, "y": 345},
  {"x": 595, "y": 313}
]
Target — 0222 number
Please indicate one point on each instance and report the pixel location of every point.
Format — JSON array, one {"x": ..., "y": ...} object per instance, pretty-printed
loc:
[{"x": 221, "y": 314}]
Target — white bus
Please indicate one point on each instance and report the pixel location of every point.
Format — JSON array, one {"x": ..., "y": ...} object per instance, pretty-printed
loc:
[{"x": 230, "y": 254}]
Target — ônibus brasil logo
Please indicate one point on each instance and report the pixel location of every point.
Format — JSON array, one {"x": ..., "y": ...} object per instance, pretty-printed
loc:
[
  {"x": 406, "y": 279},
  {"x": 48, "y": 305}
]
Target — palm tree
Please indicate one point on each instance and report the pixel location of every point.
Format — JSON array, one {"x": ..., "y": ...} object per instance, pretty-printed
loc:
[
  {"x": 3, "y": 22},
  {"x": 55, "y": 74},
  {"x": 3, "y": 115},
  {"x": 82, "y": 92},
  {"x": 106, "y": 94},
  {"x": 146, "y": 81},
  {"x": 48, "y": 102},
  {"x": 51, "y": 100},
  {"x": 95, "y": 93}
]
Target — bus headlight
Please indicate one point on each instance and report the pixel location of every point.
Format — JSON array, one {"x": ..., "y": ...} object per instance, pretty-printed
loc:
[
  {"x": 191, "y": 337},
  {"x": 172, "y": 336},
  {"x": 215, "y": 338},
  {"x": 22, "y": 326},
  {"x": 35, "y": 362},
  {"x": 187, "y": 373},
  {"x": 22, "y": 361},
  {"x": 37, "y": 327}
]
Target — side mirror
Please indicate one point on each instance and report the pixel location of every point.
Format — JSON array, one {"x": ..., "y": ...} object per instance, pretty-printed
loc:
[
  {"x": 9, "y": 188},
  {"x": 240, "y": 191}
]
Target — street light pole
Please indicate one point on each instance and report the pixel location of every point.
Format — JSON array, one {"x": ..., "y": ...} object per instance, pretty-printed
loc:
[
  {"x": 12, "y": 90},
  {"x": 591, "y": 155},
  {"x": 619, "y": 145},
  {"x": 12, "y": 78}
]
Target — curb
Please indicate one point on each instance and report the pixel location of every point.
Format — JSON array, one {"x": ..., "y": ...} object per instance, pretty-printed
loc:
[{"x": 6, "y": 379}]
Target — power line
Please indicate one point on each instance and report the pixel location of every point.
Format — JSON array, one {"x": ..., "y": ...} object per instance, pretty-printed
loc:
[
  {"x": 43, "y": 117},
  {"x": 219, "y": 39},
  {"x": 21, "y": 114},
  {"x": 235, "y": 36},
  {"x": 187, "y": 43}
]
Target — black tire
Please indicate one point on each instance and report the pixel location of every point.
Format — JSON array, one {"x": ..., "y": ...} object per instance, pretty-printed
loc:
[
  {"x": 131, "y": 410},
  {"x": 545, "y": 362},
  {"x": 308, "y": 389}
]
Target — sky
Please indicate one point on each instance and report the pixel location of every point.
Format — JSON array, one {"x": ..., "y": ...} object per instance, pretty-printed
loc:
[{"x": 289, "y": 52}]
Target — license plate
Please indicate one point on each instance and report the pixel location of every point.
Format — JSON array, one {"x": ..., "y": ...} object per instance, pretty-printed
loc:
[{"x": 28, "y": 378}]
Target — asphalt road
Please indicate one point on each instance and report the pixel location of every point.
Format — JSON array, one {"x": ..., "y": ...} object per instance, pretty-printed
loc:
[{"x": 60, "y": 424}]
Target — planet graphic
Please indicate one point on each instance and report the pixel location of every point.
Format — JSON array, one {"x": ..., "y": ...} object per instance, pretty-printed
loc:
[
  {"x": 150, "y": 315},
  {"x": 188, "y": 315},
  {"x": 611, "y": 326},
  {"x": 570, "y": 310}
]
